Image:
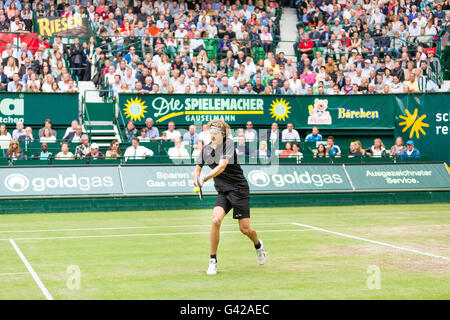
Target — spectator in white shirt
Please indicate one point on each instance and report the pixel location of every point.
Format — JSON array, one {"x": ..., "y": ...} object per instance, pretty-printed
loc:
[
  {"x": 414, "y": 29},
  {"x": 290, "y": 134},
  {"x": 70, "y": 129},
  {"x": 250, "y": 133},
  {"x": 178, "y": 152},
  {"x": 19, "y": 131},
  {"x": 205, "y": 135},
  {"x": 135, "y": 151},
  {"x": 171, "y": 133}
]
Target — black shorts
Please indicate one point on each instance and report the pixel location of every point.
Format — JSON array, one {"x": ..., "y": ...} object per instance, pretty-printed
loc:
[{"x": 238, "y": 200}]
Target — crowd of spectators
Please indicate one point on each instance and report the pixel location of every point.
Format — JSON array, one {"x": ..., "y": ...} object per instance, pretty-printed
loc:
[
  {"x": 172, "y": 53},
  {"x": 362, "y": 46},
  {"x": 345, "y": 47},
  {"x": 365, "y": 47},
  {"x": 45, "y": 70}
]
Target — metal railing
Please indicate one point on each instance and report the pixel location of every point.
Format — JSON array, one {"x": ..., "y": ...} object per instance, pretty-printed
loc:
[{"x": 165, "y": 159}]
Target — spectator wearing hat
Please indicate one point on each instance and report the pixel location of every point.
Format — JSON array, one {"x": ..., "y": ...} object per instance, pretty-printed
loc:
[
  {"x": 94, "y": 153},
  {"x": 154, "y": 29},
  {"x": 180, "y": 33},
  {"x": 414, "y": 29},
  {"x": 410, "y": 151},
  {"x": 26, "y": 77}
]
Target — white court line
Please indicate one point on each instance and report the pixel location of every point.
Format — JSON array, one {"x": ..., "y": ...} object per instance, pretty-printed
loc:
[
  {"x": 12, "y": 273},
  {"x": 373, "y": 241},
  {"x": 143, "y": 227},
  {"x": 149, "y": 234},
  {"x": 32, "y": 272}
]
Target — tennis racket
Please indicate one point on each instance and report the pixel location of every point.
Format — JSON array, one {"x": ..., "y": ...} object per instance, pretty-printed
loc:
[{"x": 200, "y": 194}]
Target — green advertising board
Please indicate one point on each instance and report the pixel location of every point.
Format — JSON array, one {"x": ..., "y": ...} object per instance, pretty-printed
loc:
[
  {"x": 34, "y": 108},
  {"x": 399, "y": 177},
  {"x": 425, "y": 119},
  {"x": 294, "y": 178},
  {"x": 59, "y": 181},
  {"x": 169, "y": 180},
  {"x": 346, "y": 111},
  {"x": 176, "y": 180},
  {"x": 304, "y": 111},
  {"x": 422, "y": 117}
]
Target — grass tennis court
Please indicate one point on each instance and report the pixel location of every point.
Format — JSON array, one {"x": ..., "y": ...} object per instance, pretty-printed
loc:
[{"x": 313, "y": 253}]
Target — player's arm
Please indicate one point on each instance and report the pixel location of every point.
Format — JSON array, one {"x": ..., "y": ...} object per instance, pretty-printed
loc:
[
  {"x": 216, "y": 171},
  {"x": 196, "y": 174}
]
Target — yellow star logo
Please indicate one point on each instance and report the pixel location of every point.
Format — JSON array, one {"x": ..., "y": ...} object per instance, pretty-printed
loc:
[
  {"x": 415, "y": 124},
  {"x": 135, "y": 109},
  {"x": 280, "y": 109}
]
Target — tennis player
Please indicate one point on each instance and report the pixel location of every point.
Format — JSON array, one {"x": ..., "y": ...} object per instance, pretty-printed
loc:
[{"x": 231, "y": 185}]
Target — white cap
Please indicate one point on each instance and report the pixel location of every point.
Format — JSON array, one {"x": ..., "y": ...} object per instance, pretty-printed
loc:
[{"x": 94, "y": 146}]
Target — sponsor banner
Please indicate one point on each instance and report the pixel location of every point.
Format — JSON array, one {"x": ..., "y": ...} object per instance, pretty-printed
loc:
[
  {"x": 73, "y": 26},
  {"x": 425, "y": 119},
  {"x": 369, "y": 111},
  {"x": 173, "y": 180},
  {"x": 165, "y": 180},
  {"x": 59, "y": 181},
  {"x": 34, "y": 108},
  {"x": 303, "y": 111},
  {"x": 190, "y": 109},
  {"x": 177, "y": 180},
  {"x": 292, "y": 178},
  {"x": 399, "y": 177}
]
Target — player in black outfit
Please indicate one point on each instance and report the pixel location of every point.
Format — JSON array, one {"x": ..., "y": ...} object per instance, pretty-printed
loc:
[{"x": 231, "y": 185}]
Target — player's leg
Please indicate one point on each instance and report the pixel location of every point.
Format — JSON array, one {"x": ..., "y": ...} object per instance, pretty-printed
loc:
[
  {"x": 244, "y": 226},
  {"x": 221, "y": 208},
  {"x": 214, "y": 237},
  {"x": 240, "y": 200}
]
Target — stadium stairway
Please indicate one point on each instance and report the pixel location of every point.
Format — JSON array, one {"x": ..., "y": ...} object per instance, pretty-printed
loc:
[
  {"x": 288, "y": 33},
  {"x": 97, "y": 115}
]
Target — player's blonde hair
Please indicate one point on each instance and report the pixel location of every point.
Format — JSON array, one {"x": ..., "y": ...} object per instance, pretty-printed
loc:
[{"x": 220, "y": 125}]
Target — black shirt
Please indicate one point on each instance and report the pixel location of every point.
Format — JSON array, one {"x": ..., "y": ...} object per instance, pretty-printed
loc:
[{"x": 232, "y": 178}]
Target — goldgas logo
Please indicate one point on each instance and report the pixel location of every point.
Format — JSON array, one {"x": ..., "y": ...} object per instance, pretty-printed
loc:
[
  {"x": 135, "y": 109},
  {"x": 416, "y": 124},
  {"x": 258, "y": 178},
  {"x": 16, "y": 182}
]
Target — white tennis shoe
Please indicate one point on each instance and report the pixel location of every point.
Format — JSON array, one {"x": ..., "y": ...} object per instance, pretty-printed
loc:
[
  {"x": 212, "y": 269},
  {"x": 261, "y": 254}
]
